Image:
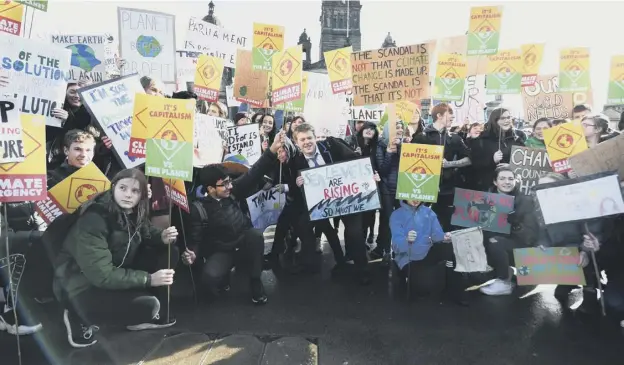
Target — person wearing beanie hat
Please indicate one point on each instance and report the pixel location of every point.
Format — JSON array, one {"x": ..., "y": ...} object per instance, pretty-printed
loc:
[{"x": 220, "y": 230}]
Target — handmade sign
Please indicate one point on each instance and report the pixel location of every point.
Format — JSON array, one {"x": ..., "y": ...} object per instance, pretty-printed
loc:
[
  {"x": 616, "y": 81},
  {"x": 111, "y": 105},
  {"x": 244, "y": 142},
  {"x": 35, "y": 4},
  {"x": 267, "y": 40},
  {"x": 186, "y": 66},
  {"x": 176, "y": 190},
  {"x": 419, "y": 172},
  {"x": 11, "y": 138},
  {"x": 450, "y": 77},
  {"x": 532, "y": 55},
  {"x": 339, "y": 69},
  {"x": 26, "y": 180},
  {"x": 87, "y": 55},
  {"x": 11, "y": 14},
  {"x": 529, "y": 164},
  {"x": 551, "y": 265},
  {"x": 470, "y": 107},
  {"x": 484, "y": 30},
  {"x": 215, "y": 41},
  {"x": 574, "y": 70},
  {"x": 606, "y": 156},
  {"x": 504, "y": 73},
  {"x": 250, "y": 86},
  {"x": 37, "y": 72},
  {"x": 388, "y": 75},
  {"x": 208, "y": 76},
  {"x": 580, "y": 199},
  {"x": 340, "y": 189},
  {"x": 147, "y": 43},
  {"x": 562, "y": 142},
  {"x": 287, "y": 75},
  {"x": 326, "y": 111},
  {"x": 72, "y": 192},
  {"x": 208, "y": 140},
  {"x": 469, "y": 250},
  {"x": 265, "y": 207},
  {"x": 368, "y": 113},
  {"x": 479, "y": 209}
]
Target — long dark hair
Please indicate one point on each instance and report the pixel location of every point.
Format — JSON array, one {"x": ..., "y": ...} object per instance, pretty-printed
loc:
[
  {"x": 372, "y": 144},
  {"x": 142, "y": 208},
  {"x": 271, "y": 134},
  {"x": 492, "y": 127},
  {"x": 256, "y": 115}
]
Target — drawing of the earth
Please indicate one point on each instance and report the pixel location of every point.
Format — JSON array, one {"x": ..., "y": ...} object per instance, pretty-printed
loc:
[
  {"x": 148, "y": 46},
  {"x": 83, "y": 56}
]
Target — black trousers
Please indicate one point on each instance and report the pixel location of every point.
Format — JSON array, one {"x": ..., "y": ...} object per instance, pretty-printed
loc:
[
  {"x": 500, "y": 255},
  {"x": 285, "y": 222},
  {"x": 444, "y": 209},
  {"x": 443, "y": 251},
  {"x": 388, "y": 205},
  {"x": 249, "y": 256},
  {"x": 96, "y": 306}
]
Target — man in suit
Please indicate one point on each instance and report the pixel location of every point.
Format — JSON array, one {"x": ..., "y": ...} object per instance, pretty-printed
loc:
[{"x": 314, "y": 154}]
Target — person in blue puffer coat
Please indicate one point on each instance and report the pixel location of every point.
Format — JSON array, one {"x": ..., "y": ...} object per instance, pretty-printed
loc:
[{"x": 418, "y": 238}]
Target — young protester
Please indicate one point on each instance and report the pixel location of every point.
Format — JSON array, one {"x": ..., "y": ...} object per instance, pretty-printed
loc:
[
  {"x": 111, "y": 257},
  {"x": 537, "y": 138},
  {"x": 267, "y": 131}
]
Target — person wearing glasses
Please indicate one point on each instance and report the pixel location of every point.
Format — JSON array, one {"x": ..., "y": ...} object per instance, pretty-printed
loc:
[
  {"x": 493, "y": 147},
  {"x": 596, "y": 129},
  {"x": 221, "y": 234}
]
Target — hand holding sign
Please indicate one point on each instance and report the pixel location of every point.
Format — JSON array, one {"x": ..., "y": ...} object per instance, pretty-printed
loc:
[
  {"x": 169, "y": 235},
  {"x": 498, "y": 156},
  {"x": 60, "y": 114},
  {"x": 278, "y": 142}
]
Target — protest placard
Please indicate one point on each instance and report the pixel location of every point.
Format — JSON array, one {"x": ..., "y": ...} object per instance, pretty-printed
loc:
[
  {"x": 244, "y": 141},
  {"x": 470, "y": 107},
  {"x": 37, "y": 72},
  {"x": 529, "y": 164},
  {"x": 616, "y": 81},
  {"x": 287, "y": 75},
  {"x": 551, "y": 265},
  {"x": 11, "y": 141},
  {"x": 326, "y": 111},
  {"x": 339, "y": 69},
  {"x": 147, "y": 43},
  {"x": 419, "y": 172},
  {"x": 250, "y": 86},
  {"x": 209, "y": 135},
  {"x": 504, "y": 75},
  {"x": 215, "y": 41},
  {"x": 574, "y": 69},
  {"x": 469, "y": 250},
  {"x": 176, "y": 190},
  {"x": 267, "y": 40},
  {"x": 87, "y": 55},
  {"x": 35, "y": 4},
  {"x": 480, "y": 209},
  {"x": 388, "y": 75},
  {"x": 26, "y": 180},
  {"x": 208, "y": 76},
  {"x": 297, "y": 106},
  {"x": 484, "y": 30},
  {"x": 111, "y": 105},
  {"x": 340, "y": 189},
  {"x": 562, "y": 142},
  {"x": 606, "y": 156},
  {"x": 11, "y": 14},
  {"x": 265, "y": 207},
  {"x": 450, "y": 77},
  {"x": 532, "y": 55},
  {"x": 186, "y": 66}
]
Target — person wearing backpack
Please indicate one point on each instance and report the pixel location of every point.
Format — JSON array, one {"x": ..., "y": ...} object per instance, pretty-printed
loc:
[
  {"x": 220, "y": 232},
  {"x": 111, "y": 264}
]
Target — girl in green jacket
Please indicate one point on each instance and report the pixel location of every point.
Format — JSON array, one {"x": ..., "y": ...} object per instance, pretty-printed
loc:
[{"x": 537, "y": 138}]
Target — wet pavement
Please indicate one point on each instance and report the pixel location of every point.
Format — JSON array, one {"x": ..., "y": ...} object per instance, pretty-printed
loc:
[{"x": 317, "y": 319}]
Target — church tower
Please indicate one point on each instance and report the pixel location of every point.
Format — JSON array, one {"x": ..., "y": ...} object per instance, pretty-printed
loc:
[{"x": 335, "y": 16}]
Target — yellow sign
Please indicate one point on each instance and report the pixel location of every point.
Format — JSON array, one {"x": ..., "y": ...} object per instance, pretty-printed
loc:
[
  {"x": 139, "y": 125},
  {"x": 208, "y": 76},
  {"x": 171, "y": 119},
  {"x": 562, "y": 142},
  {"x": 450, "y": 80},
  {"x": 339, "y": 69},
  {"x": 177, "y": 191},
  {"x": 615, "y": 95},
  {"x": 268, "y": 37},
  {"x": 574, "y": 70},
  {"x": 420, "y": 167},
  {"x": 532, "y": 55},
  {"x": 484, "y": 30},
  {"x": 287, "y": 74},
  {"x": 72, "y": 192},
  {"x": 504, "y": 72},
  {"x": 11, "y": 14},
  {"x": 405, "y": 111}
]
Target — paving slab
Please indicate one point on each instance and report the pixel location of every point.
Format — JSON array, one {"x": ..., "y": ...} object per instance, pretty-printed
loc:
[
  {"x": 181, "y": 349},
  {"x": 121, "y": 348},
  {"x": 235, "y": 350},
  {"x": 290, "y": 351}
]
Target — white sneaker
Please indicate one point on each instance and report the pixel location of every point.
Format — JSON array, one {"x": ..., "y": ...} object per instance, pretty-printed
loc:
[
  {"x": 498, "y": 287},
  {"x": 21, "y": 330}
]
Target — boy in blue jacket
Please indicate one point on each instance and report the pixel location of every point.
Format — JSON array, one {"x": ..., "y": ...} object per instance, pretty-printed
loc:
[{"x": 417, "y": 237}]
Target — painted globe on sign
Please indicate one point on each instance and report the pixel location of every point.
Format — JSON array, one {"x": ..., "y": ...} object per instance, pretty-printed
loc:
[
  {"x": 85, "y": 192},
  {"x": 83, "y": 57},
  {"x": 148, "y": 46}
]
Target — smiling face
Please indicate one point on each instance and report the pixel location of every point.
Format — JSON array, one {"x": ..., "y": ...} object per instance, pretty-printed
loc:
[
  {"x": 127, "y": 193},
  {"x": 368, "y": 133},
  {"x": 306, "y": 141},
  {"x": 80, "y": 154},
  {"x": 73, "y": 99},
  {"x": 213, "y": 110},
  {"x": 538, "y": 130},
  {"x": 505, "y": 182},
  {"x": 267, "y": 124},
  {"x": 505, "y": 122},
  {"x": 475, "y": 131}
]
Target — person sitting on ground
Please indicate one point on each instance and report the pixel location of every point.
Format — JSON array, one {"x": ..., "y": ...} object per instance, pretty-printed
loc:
[
  {"x": 111, "y": 256},
  {"x": 219, "y": 230}
]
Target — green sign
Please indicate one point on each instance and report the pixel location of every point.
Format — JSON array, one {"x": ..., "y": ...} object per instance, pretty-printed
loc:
[
  {"x": 576, "y": 80},
  {"x": 37, "y": 4},
  {"x": 295, "y": 106},
  {"x": 169, "y": 159},
  {"x": 448, "y": 89},
  {"x": 262, "y": 58},
  {"x": 503, "y": 83},
  {"x": 483, "y": 43},
  {"x": 616, "y": 92},
  {"x": 415, "y": 186}
]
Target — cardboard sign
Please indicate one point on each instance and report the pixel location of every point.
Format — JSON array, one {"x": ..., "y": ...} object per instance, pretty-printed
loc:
[
  {"x": 208, "y": 76},
  {"x": 208, "y": 139},
  {"x": 250, "y": 86},
  {"x": 267, "y": 40},
  {"x": 244, "y": 141},
  {"x": 26, "y": 180},
  {"x": 265, "y": 207},
  {"x": 484, "y": 30},
  {"x": 419, "y": 172},
  {"x": 553, "y": 265},
  {"x": 562, "y": 142},
  {"x": 87, "y": 55},
  {"x": 606, "y": 156},
  {"x": 147, "y": 43},
  {"x": 479, "y": 209},
  {"x": 111, "y": 104},
  {"x": 469, "y": 250},
  {"x": 340, "y": 189},
  {"x": 470, "y": 107},
  {"x": 574, "y": 70},
  {"x": 11, "y": 14},
  {"x": 504, "y": 73},
  {"x": 389, "y": 75},
  {"x": 215, "y": 41},
  {"x": 529, "y": 164},
  {"x": 326, "y": 111},
  {"x": 11, "y": 141},
  {"x": 72, "y": 192},
  {"x": 287, "y": 75},
  {"x": 339, "y": 69}
]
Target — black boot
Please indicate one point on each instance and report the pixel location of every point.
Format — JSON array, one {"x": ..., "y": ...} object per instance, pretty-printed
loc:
[{"x": 455, "y": 289}]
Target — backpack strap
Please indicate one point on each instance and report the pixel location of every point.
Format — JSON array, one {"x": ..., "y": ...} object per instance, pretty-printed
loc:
[{"x": 203, "y": 215}]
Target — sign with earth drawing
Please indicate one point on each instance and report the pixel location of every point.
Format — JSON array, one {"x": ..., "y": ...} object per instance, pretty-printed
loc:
[
  {"x": 208, "y": 76},
  {"x": 147, "y": 43},
  {"x": 450, "y": 79},
  {"x": 244, "y": 142},
  {"x": 615, "y": 94},
  {"x": 339, "y": 69},
  {"x": 267, "y": 40},
  {"x": 574, "y": 70},
  {"x": 504, "y": 73},
  {"x": 88, "y": 53},
  {"x": 419, "y": 172},
  {"x": 532, "y": 55},
  {"x": 484, "y": 33},
  {"x": 479, "y": 209}
]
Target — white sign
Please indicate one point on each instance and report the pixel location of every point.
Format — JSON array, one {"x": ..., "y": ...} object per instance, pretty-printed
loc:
[
  {"x": 11, "y": 142},
  {"x": 231, "y": 100},
  {"x": 244, "y": 140},
  {"x": 207, "y": 141},
  {"x": 111, "y": 103},
  {"x": 265, "y": 207},
  {"x": 469, "y": 251},
  {"x": 575, "y": 201},
  {"x": 36, "y": 72},
  {"x": 340, "y": 189},
  {"x": 215, "y": 41},
  {"x": 367, "y": 113},
  {"x": 186, "y": 66},
  {"x": 329, "y": 113},
  {"x": 147, "y": 43},
  {"x": 88, "y": 55},
  {"x": 471, "y": 106}
]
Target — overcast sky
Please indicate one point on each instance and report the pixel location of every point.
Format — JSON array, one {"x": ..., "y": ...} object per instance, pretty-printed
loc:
[{"x": 558, "y": 24}]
